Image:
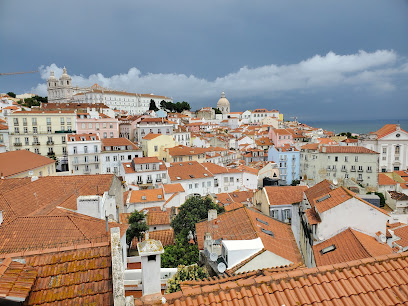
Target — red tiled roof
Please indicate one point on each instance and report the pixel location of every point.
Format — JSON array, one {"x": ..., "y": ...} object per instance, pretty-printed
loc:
[
  {"x": 82, "y": 137},
  {"x": 72, "y": 277},
  {"x": 384, "y": 179},
  {"x": 15, "y": 162},
  {"x": 146, "y": 195},
  {"x": 151, "y": 136},
  {"x": 118, "y": 142},
  {"x": 173, "y": 188},
  {"x": 165, "y": 236},
  {"x": 386, "y": 130},
  {"x": 346, "y": 149},
  {"x": 279, "y": 195},
  {"x": 372, "y": 281},
  {"x": 16, "y": 280},
  {"x": 187, "y": 171},
  {"x": 158, "y": 218},
  {"x": 318, "y": 190},
  {"x": 242, "y": 224},
  {"x": 350, "y": 245}
]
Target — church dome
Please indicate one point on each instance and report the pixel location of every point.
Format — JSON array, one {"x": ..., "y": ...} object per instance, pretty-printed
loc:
[
  {"x": 52, "y": 76},
  {"x": 65, "y": 74},
  {"x": 223, "y": 104},
  {"x": 223, "y": 101}
]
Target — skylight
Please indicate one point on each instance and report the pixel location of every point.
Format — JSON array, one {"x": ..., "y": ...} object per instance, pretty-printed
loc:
[
  {"x": 323, "y": 198},
  {"x": 267, "y": 232},
  {"x": 264, "y": 222},
  {"x": 192, "y": 176},
  {"x": 328, "y": 249},
  {"x": 179, "y": 178}
]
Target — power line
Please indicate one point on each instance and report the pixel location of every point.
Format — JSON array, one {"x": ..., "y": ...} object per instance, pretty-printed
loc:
[{"x": 22, "y": 72}]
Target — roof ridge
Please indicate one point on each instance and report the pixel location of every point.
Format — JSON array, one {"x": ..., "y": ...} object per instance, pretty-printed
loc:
[
  {"x": 354, "y": 195},
  {"x": 70, "y": 218},
  {"x": 359, "y": 242}
]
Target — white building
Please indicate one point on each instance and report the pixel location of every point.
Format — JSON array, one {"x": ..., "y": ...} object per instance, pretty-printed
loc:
[
  {"x": 84, "y": 153},
  {"x": 116, "y": 151},
  {"x": 391, "y": 142},
  {"x": 144, "y": 172},
  {"x": 343, "y": 163}
]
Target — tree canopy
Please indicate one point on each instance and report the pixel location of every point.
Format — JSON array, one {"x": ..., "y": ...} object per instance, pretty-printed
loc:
[
  {"x": 11, "y": 94},
  {"x": 34, "y": 101},
  {"x": 153, "y": 106},
  {"x": 175, "y": 107},
  {"x": 137, "y": 226},
  {"x": 183, "y": 252},
  {"x": 217, "y": 110},
  {"x": 193, "y": 210},
  {"x": 193, "y": 272}
]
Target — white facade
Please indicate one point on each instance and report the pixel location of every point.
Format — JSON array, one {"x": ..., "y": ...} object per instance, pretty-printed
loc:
[
  {"x": 59, "y": 90},
  {"x": 84, "y": 154},
  {"x": 393, "y": 149}
]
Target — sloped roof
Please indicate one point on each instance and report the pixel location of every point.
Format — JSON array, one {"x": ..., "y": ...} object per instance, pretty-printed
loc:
[
  {"x": 386, "y": 130},
  {"x": 16, "y": 280},
  {"x": 318, "y": 190},
  {"x": 118, "y": 142},
  {"x": 346, "y": 149},
  {"x": 15, "y": 162},
  {"x": 370, "y": 281},
  {"x": 173, "y": 188},
  {"x": 146, "y": 195},
  {"x": 384, "y": 179},
  {"x": 72, "y": 277},
  {"x": 350, "y": 245},
  {"x": 44, "y": 194},
  {"x": 244, "y": 224},
  {"x": 279, "y": 195},
  {"x": 187, "y": 171}
]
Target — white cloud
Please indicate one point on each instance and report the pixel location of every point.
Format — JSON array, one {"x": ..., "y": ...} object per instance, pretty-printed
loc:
[{"x": 361, "y": 70}]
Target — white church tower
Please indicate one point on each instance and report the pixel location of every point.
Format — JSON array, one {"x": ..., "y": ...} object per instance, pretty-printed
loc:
[
  {"x": 223, "y": 104},
  {"x": 59, "y": 90}
]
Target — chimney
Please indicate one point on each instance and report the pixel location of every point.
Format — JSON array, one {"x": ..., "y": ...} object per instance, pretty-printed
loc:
[
  {"x": 149, "y": 251},
  {"x": 1, "y": 217},
  {"x": 107, "y": 224},
  {"x": 212, "y": 214}
]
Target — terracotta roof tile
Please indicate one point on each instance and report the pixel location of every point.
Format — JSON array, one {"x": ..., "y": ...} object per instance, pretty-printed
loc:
[
  {"x": 346, "y": 149},
  {"x": 386, "y": 130},
  {"x": 16, "y": 280},
  {"x": 379, "y": 282},
  {"x": 75, "y": 277},
  {"x": 279, "y": 195},
  {"x": 118, "y": 142},
  {"x": 16, "y": 162},
  {"x": 187, "y": 171},
  {"x": 349, "y": 245},
  {"x": 173, "y": 188},
  {"x": 146, "y": 195},
  {"x": 242, "y": 224},
  {"x": 384, "y": 179},
  {"x": 165, "y": 236}
]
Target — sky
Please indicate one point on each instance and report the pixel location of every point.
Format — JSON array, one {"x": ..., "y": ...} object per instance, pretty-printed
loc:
[{"x": 316, "y": 59}]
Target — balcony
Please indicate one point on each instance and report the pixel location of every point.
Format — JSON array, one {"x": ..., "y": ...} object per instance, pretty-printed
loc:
[
  {"x": 36, "y": 143},
  {"x": 149, "y": 181},
  {"x": 139, "y": 182},
  {"x": 65, "y": 131},
  {"x": 353, "y": 170},
  {"x": 360, "y": 170},
  {"x": 18, "y": 144},
  {"x": 369, "y": 170},
  {"x": 158, "y": 180},
  {"x": 343, "y": 170},
  {"x": 50, "y": 142}
]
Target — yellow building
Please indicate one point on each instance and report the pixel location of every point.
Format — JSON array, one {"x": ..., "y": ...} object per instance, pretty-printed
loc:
[
  {"x": 19, "y": 164},
  {"x": 153, "y": 144},
  {"x": 42, "y": 132},
  {"x": 183, "y": 154}
]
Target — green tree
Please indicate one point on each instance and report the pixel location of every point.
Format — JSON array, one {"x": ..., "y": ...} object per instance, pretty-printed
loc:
[
  {"x": 11, "y": 94},
  {"x": 295, "y": 182},
  {"x": 217, "y": 111},
  {"x": 193, "y": 272},
  {"x": 193, "y": 210},
  {"x": 153, "y": 106},
  {"x": 35, "y": 101},
  {"x": 137, "y": 227},
  {"x": 181, "y": 253}
]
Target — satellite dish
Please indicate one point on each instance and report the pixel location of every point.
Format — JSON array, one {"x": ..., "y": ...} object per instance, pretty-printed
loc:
[
  {"x": 213, "y": 256},
  {"x": 335, "y": 182},
  {"x": 221, "y": 267}
]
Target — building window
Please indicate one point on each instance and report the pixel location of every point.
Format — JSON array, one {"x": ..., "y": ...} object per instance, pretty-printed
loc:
[
  {"x": 62, "y": 121},
  {"x": 190, "y": 186},
  {"x": 384, "y": 150},
  {"x": 89, "y": 125},
  {"x": 16, "y": 130},
  {"x": 49, "y": 129},
  {"x": 107, "y": 169},
  {"x": 26, "y": 141},
  {"x": 34, "y": 121},
  {"x": 75, "y": 150},
  {"x": 48, "y": 121},
  {"x": 63, "y": 139},
  {"x": 356, "y": 158},
  {"x": 111, "y": 134},
  {"x": 107, "y": 158},
  {"x": 156, "y": 148},
  {"x": 85, "y": 149},
  {"x": 86, "y": 159},
  {"x": 115, "y": 158},
  {"x": 105, "y": 135},
  {"x": 35, "y": 130},
  {"x": 274, "y": 213},
  {"x": 25, "y": 130},
  {"x": 397, "y": 149},
  {"x": 15, "y": 120}
]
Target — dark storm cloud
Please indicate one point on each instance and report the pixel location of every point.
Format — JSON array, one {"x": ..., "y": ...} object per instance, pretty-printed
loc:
[{"x": 193, "y": 50}]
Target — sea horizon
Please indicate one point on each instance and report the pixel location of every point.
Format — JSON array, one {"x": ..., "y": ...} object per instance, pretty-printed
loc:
[{"x": 355, "y": 126}]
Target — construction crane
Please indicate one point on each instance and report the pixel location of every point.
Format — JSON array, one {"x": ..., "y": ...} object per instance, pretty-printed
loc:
[{"x": 23, "y": 72}]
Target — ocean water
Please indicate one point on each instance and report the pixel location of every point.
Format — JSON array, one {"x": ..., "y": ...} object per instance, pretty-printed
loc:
[{"x": 356, "y": 126}]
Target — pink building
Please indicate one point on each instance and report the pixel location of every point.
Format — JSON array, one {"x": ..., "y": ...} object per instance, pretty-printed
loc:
[
  {"x": 281, "y": 137},
  {"x": 98, "y": 123}
]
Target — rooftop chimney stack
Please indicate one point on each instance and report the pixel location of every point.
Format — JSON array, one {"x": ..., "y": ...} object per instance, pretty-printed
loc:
[
  {"x": 149, "y": 251},
  {"x": 212, "y": 214},
  {"x": 1, "y": 217}
]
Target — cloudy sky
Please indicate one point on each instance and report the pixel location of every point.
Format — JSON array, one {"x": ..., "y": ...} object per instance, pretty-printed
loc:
[{"x": 316, "y": 60}]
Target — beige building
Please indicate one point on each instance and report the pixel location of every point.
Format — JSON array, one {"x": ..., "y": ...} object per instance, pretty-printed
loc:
[
  {"x": 339, "y": 163},
  {"x": 183, "y": 154},
  {"x": 18, "y": 164},
  {"x": 42, "y": 132},
  {"x": 153, "y": 144}
]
